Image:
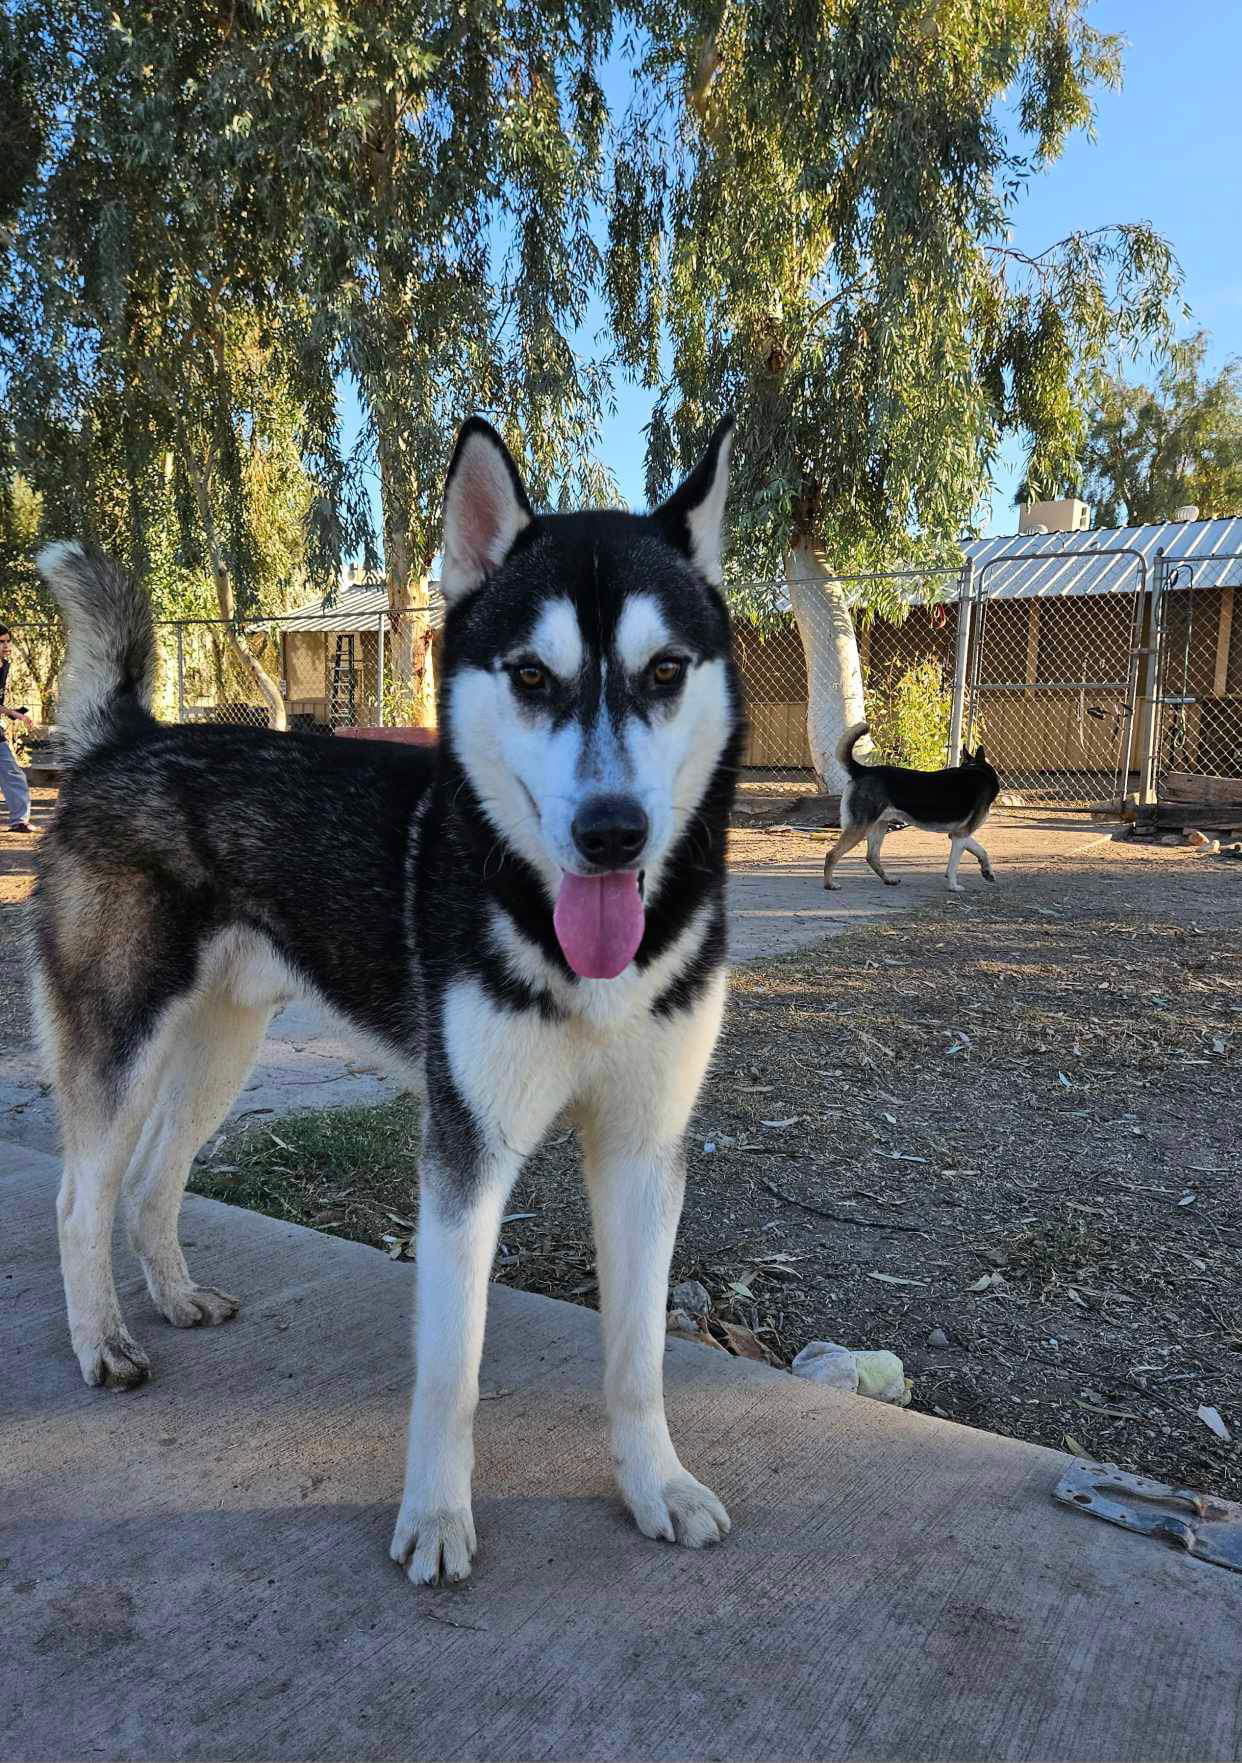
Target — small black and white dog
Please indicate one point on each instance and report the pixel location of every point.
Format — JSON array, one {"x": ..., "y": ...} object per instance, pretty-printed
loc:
[
  {"x": 879, "y": 798},
  {"x": 530, "y": 919}
]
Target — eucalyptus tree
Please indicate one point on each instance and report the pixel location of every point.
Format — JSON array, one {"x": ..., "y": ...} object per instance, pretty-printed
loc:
[
  {"x": 810, "y": 223},
  {"x": 298, "y": 194},
  {"x": 148, "y": 392},
  {"x": 458, "y": 161},
  {"x": 1150, "y": 449}
]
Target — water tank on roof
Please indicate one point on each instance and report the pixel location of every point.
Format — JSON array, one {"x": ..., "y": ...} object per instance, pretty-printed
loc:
[{"x": 1188, "y": 511}]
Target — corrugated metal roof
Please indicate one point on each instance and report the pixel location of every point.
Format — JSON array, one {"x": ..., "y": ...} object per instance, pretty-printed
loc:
[
  {"x": 1215, "y": 544},
  {"x": 1212, "y": 547},
  {"x": 355, "y": 608}
]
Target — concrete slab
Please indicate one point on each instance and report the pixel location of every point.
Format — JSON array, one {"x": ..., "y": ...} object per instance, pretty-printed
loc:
[
  {"x": 306, "y": 1061},
  {"x": 199, "y": 1570}
]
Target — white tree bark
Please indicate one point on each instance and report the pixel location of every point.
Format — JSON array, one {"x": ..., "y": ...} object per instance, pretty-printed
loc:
[{"x": 833, "y": 668}]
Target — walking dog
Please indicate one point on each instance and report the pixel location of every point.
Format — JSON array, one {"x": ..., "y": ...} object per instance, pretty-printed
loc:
[{"x": 878, "y": 798}]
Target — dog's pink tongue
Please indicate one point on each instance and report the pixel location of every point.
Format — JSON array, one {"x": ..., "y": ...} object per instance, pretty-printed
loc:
[{"x": 599, "y": 922}]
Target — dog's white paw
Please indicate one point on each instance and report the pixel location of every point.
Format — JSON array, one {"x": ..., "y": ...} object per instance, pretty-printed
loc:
[
  {"x": 115, "y": 1363},
  {"x": 197, "y": 1306},
  {"x": 956, "y": 888},
  {"x": 831, "y": 887},
  {"x": 681, "y": 1511},
  {"x": 434, "y": 1546}
]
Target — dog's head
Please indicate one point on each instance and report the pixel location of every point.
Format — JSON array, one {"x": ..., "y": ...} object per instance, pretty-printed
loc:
[
  {"x": 978, "y": 762},
  {"x": 589, "y": 693}
]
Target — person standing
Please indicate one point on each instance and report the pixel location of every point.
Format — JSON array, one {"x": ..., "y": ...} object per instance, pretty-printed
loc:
[{"x": 13, "y": 785}]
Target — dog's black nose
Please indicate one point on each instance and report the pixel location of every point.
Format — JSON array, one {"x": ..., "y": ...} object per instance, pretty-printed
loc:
[{"x": 610, "y": 831}]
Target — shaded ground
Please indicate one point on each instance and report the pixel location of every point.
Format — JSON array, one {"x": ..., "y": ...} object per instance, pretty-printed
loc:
[{"x": 1010, "y": 1117}]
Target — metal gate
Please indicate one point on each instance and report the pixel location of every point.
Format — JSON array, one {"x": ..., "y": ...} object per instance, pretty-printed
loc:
[
  {"x": 1199, "y": 709},
  {"x": 1059, "y": 689}
]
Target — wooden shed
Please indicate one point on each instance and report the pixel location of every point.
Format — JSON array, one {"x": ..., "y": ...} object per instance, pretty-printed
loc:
[{"x": 337, "y": 660}]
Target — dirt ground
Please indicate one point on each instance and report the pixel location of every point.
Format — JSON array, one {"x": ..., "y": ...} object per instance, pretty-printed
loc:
[
  {"x": 998, "y": 1135},
  {"x": 1011, "y": 1117}
]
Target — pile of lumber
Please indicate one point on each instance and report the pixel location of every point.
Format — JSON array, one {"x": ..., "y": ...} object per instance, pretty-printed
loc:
[{"x": 1208, "y": 804}]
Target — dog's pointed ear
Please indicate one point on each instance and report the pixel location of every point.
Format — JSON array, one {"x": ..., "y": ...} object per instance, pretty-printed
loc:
[
  {"x": 485, "y": 508},
  {"x": 980, "y": 756},
  {"x": 692, "y": 520}
]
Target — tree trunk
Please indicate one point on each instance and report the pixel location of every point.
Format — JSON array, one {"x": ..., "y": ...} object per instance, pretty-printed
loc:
[
  {"x": 409, "y": 681},
  {"x": 408, "y": 672},
  {"x": 833, "y": 669},
  {"x": 267, "y": 688}
]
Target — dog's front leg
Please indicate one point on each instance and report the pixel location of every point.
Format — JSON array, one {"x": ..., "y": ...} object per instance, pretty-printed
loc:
[
  {"x": 632, "y": 1138},
  {"x": 458, "y": 1224},
  {"x": 496, "y": 1079}
]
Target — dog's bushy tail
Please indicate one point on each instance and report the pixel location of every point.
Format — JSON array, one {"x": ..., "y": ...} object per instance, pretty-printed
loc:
[
  {"x": 110, "y": 673},
  {"x": 845, "y": 748}
]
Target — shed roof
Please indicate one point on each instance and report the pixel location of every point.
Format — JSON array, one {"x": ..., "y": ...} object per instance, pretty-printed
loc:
[
  {"x": 1102, "y": 560},
  {"x": 1213, "y": 548},
  {"x": 358, "y": 607}
]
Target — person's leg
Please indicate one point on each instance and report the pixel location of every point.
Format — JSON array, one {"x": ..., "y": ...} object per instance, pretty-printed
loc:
[{"x": 13, "y": 786}]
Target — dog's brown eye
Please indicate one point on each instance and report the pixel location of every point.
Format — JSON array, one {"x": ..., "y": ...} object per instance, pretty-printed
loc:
[
  {"x": 667, "y": 671},
  {"x": 530, "y": 677}
]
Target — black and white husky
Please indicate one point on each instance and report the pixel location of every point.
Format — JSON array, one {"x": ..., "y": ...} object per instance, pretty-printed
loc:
[
  {"x": 531, "y": 919},
  {"x": 878, "y": 798}
]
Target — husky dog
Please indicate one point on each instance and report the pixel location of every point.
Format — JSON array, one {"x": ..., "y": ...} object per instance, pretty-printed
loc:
[
  {"x": 531, "y": 918},
  {"x": 878, "y": 798}
]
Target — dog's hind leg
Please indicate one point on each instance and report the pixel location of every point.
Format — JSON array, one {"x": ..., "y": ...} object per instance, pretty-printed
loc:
[
  {"x": 633, "y": 1128},
  {"x": 957, "y": 844},
  {"x": 850, "y": 836},
  {"x": 875, "y": 838},
  {"x": 985, "y": 862},
  {"x": 207, "y": 1064},
  {"x": 102, "y": 1118}
]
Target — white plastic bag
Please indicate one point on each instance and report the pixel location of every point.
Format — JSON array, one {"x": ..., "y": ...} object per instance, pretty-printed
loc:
[{"x": 882, "y": 1376}]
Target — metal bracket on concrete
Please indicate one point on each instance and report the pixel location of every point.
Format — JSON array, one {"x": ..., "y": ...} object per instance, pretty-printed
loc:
[{"x": 1202, "y": 1525}]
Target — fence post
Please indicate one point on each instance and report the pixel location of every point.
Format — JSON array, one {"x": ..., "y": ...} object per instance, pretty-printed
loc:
[
  {"x": 180, "y": 674},
  {"x": 1150, "y": 675},
  {"x": 964, "y": 607},
  {"x": 379, "y": 669}
]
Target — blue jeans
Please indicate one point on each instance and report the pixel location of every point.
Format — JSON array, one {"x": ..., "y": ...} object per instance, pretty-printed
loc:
[{"x": 13, "y": 785}]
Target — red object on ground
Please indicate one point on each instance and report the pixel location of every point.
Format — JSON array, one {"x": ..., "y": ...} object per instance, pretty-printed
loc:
[{"x": 415, "y": 737}]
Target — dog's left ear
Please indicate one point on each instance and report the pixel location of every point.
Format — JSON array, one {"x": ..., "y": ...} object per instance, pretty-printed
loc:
[
  {"x": 485, "y": 508},
  {"x": 692, "y": 520},
  {"x": 980, "y": 757}
]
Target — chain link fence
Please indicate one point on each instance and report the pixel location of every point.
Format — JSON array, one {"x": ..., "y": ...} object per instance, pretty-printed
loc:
[
  {"x": 1081, "y": 697},
  {"x": 330, "y": 670},
  {"x": 907, "y": 668},
  {"x": 1050, "y": 693},
  {"x": 1199, "y": 728}
]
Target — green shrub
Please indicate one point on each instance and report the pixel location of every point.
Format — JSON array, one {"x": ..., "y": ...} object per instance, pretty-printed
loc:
[{"x": 909, "y": 711}]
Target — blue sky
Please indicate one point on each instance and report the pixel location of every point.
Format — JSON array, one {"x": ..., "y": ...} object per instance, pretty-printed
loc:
[{"x": 1168, "y": 151}]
